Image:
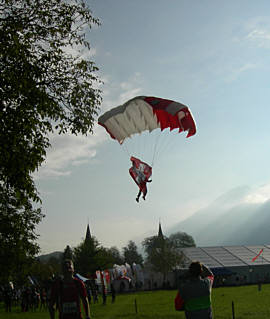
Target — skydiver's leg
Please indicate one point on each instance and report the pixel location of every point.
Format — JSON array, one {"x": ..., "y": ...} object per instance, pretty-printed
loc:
[
  {"x": 138, "y": 196},
  {"x": 144, "y": 194}
]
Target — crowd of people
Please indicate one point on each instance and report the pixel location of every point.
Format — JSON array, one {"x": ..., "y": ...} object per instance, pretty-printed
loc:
[
  {"x": 66, "y": 294},
  {"x": 29, "y": 298}
]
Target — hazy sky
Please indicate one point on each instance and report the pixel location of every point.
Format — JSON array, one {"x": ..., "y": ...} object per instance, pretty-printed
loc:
[{"x": 213, "y": 56}]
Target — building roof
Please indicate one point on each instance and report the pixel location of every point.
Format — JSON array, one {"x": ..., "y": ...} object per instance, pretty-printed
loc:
[{"x": 228, "y": 256}]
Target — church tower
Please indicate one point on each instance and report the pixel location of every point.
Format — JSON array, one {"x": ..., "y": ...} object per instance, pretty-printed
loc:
[
  {"x": 160, "y": 233},
  {"x": 88, "y": 234}
]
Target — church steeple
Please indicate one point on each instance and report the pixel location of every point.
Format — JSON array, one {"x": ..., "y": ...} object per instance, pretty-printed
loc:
[
  {"x": 88, "y": 234},
  {"x": 160, "y": 234}
]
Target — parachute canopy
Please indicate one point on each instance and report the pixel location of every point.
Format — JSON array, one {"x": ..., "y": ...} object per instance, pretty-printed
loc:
[{"x": 146, "y": 113}]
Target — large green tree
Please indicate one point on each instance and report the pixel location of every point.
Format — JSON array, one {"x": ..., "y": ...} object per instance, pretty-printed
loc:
[
  {"x": 115, "y": 256},
  {"x": 17, "y": 236},
  {"x": 85, "y": 255},
  {"x": 161, "y": 254},
  {"x": 43, "y": 89},
  {"x": 182, "y": 239},
  {"x": 131, "y": 254},
  {"x": 90, "y": 256}
]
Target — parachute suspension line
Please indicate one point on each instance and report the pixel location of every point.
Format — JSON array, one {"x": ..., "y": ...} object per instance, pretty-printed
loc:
[
  {"x": 167, "y": 143},
  {"x": 124, "y": 147},
  {"x": 155, "y": 147},
  {"x": 161, "y": 144},
  {"x": 135, "y": 145},
  {"x": 147, "y": 144},
  {"x": 140, "y": 145}
]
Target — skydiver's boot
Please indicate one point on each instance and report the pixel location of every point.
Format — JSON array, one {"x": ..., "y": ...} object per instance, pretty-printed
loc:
[{"x": 137, "y": 199}]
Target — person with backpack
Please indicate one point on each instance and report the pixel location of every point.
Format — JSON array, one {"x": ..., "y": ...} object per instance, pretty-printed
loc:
[{"x": 66, "y": 295}]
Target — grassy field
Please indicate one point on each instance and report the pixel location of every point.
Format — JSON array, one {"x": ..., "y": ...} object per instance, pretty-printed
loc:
[{"x": 248, "y": 303}]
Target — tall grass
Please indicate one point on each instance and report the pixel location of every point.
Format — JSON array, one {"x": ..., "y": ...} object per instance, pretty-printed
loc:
[{"x": 249, "y": 303}]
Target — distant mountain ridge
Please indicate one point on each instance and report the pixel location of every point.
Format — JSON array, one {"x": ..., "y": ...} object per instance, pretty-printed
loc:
[
  {"x": 46, "y": 257},
  {"x": 229, "y": 220}
]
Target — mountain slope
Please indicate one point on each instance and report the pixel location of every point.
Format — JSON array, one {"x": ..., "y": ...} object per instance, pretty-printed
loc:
[
  {"x": 46, "y": 257},
  {"x": 229, "y": 220}
]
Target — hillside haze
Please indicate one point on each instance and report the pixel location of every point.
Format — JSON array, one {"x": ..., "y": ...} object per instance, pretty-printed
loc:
[
  {"x": 232, "y": 219},
  {"x": 45, "y": 258}
]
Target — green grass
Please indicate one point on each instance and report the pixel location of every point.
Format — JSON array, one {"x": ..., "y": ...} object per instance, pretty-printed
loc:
[{"x": 248, "y": 303}]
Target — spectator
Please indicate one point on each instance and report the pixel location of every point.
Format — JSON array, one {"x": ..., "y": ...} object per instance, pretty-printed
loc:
[
  {"x": 195, "y": 292},
  {"x": 43, "y": 299},
  {"x": 7, "y": 297},
  {"x": 67, "y": 293},
  {"x": 113, "y": 291}
]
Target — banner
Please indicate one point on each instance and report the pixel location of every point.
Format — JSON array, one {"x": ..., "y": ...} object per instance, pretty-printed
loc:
[{"x": 253, "y": 259}]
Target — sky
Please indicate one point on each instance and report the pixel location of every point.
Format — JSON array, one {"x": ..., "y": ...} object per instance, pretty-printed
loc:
[{"x": 214, "y": 57}]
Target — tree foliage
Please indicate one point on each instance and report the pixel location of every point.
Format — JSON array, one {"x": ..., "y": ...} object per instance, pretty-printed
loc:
[
  {"x": 85, "y": 256},
  {"x": 17, "y": 236},
  {"x": 131, "y": 254},
  {"x": 115, "y": 256},
  {"x": 181, "y": 240},
  {"x": 161, "y": 254},
  {"x": 68, "y": 253},
  {"x": 44, "y": 88}
]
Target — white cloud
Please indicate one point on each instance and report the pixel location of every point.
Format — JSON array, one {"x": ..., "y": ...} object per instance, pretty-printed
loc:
[
  {"x": 236, "y": 72},
  {"x": 244, "y": 195},
  {"x": 261, "y": 37},
  {"x": 259, "y": 195},
  {"x": 69, "y": 150},
  {"x": 80, "y": 52},
  {"x": 259, "y": 32},
  {"x": 115, "y": 93},
  {"x": 130, "y": 94}
]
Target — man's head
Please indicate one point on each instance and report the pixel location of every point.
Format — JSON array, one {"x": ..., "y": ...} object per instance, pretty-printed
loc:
[
  {"x": 68, "y": 267},
  {"x": 195, "y": 268}
]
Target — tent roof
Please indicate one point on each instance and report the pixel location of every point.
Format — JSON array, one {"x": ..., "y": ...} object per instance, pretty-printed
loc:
[{"x": 228, "y": 256}]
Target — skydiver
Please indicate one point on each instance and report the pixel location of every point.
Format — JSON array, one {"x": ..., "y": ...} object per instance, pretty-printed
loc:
[
  {"x": 140, "y": 172},
  {"x": 144, "y": 190}
]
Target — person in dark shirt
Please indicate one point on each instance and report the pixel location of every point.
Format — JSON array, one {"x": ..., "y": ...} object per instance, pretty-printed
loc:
[
  {"x": 195, "y": 292},
  {"x": 67, "y": 293}
]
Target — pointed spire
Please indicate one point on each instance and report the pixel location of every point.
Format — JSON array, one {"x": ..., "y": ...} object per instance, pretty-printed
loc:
[
  {"x": 88, "y": 234},
  {"x": 160, "y": 234}
]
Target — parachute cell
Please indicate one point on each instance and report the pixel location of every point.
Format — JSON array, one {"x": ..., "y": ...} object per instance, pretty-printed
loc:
[{"x": 144, "y": 113}]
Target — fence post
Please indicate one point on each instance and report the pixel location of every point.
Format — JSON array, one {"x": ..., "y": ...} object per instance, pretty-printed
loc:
[
  {"x": 135, "y": 303},
  {"x": 233, "y": 315}
]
